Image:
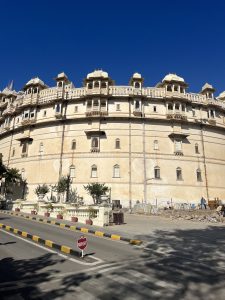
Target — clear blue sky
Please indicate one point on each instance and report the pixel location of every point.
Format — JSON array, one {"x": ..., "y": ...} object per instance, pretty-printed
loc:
[{"x": 43, "y": 38}]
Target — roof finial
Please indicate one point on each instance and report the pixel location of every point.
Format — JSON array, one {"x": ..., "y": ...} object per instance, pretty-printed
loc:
[{"x": 10, "y": 85}]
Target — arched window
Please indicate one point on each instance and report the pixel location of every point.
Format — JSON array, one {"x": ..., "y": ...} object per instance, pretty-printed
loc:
[
  {"x": 103, "y": 104},
  {"x": 96, "y": 84},
  {"x": 175, "y": 88},
  {"x": 94, "y": 142},
  {"x": 90, "y": 85},
  {"x": 170, "y": 106},
  {"x": 73, "y": 145},
  {"x": 199, "y": 175},
  {"x": 169, "y": 88},
  {"x": 35, "y": 90},
  {"x": 183, "y": 107},
  {"x": 196, "y": 148},
  {"x": 177, "y": 106},
  {"x": 137, "y": 105},
  {"x": 41, "y": 148},
  {"x": 137, "y": 85},
  {"x": 117, "y": 143},
  {"x": 89, "y": 104},
  {"x": 94, "y": 171},
  {"x": 179, "y": 173},
  {"x": 116, "y": 171},
  {"x": 95, "y": 103},
  {"x": 156, "y": 145},
  {"x": 60, "y": 84},
  {"x": 104, "y": 85},
  {"x": 57, "y": 108},
  {"x": 157, "y": 172},
  {"x": 72, "y": 171}
]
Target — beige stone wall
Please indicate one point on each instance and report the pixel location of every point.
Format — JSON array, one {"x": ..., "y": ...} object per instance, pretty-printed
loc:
[{"x": 136, "y": 181}]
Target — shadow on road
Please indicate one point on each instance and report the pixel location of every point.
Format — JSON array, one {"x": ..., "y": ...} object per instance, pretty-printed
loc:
[{"x": 184, "y": 264}]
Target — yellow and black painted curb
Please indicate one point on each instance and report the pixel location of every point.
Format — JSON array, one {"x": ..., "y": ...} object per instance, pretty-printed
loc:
[
  {"x": 78, "y": 228},
  {"x": 39, "y": 240}
]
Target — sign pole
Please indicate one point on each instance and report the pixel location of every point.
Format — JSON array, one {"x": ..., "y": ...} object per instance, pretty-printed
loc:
[{"x": 82, "y": 244}]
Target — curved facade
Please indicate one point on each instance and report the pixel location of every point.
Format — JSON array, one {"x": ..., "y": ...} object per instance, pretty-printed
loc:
[{"x": 146, "y": 143}]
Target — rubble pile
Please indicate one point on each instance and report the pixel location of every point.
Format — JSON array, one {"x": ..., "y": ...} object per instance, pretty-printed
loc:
[{"x": 211, "y": 216}]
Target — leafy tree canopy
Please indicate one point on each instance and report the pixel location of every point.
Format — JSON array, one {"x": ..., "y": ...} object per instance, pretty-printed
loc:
[{"x": 96, "y": 190}]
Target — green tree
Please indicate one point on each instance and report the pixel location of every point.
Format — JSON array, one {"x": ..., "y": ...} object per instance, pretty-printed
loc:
[
  {"x": 63, "y": 186},
  {"x": 96, "y": 190}
]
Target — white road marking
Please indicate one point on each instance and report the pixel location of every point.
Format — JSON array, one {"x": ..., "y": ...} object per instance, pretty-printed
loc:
[{"x": 98, "y": 260}]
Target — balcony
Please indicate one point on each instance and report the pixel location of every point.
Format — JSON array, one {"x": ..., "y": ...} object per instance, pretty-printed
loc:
[
  {"x": 28, "y": 122},
  {"x": 176, "y": 116},
  {"x": 95, "y": 149},
  {"x": 137, "y": 113},
  {"x": 7, "y": 128},
  {"x": 96, "y": 113},
  {"x": 97, "y": 91},
  {"x": 58, "y": 115},
  {"x": 9, "y": 110},
  {"x": 212, "y": 121},
  {"x": 24, "y": 155},
  {"x": 178, "y": 152}
]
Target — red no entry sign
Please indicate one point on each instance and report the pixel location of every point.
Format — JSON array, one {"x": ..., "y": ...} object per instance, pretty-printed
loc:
[{"x": 82, "y": 243}]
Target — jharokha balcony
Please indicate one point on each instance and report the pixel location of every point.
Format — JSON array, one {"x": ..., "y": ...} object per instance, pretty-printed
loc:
[
  {"x": 96, "y": 113},
  {"x": 176, "y": 116},
  {"x": 137, "y": 113},
  {"x": 95, "y": 149},
  {"x": 28, "y": 122}
]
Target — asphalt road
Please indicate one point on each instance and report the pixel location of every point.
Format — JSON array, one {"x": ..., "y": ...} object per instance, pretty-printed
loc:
[{"x": 174, "y": 265}]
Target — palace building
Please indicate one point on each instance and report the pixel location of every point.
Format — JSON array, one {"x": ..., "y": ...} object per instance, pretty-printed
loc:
[{"x": 145, "y": 143}]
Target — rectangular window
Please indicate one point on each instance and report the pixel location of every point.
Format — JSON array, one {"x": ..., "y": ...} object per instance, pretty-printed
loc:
[
  {"x": 156, "y": 145},
  {"x": 94, "y": 172},
  {"x": 117, "y": 107},
  {"x": 26, "y": 114},
  {"x": 32, "y": 114},
  {"x": 44, "y": 113},
  {"x": 199, "y": 176},
  {"x": 157, "y": 173},
  {"x": 76, "y": 109},
  {"x": 178, "y": 146},
  {"x": 116, "y": 172},
  {"x": 179, "y": 174},
  {"x": 154, "y": 108},
  {"x": 72, "y": 172},
  {"x": 13, "y": 152},
  {"x": 24, "y": 149}
]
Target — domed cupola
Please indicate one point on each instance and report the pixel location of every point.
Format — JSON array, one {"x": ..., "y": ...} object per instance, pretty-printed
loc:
[
  {"x": 62, "y": 80},
  {"x": 136, "y": 81},
  {"x": 174, "y": 83},
  {"x": 221, "y": 96},
  {"x": 34, "y": 86},
  {"x": 207, "y": 90},
  {"x": 98, "y": 79}
]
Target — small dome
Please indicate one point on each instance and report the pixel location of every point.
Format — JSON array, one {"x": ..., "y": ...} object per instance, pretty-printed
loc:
[
  {"x": 221, "y": 96},
  {"x": 97, "y": 74},
  {"x": 137, "y": 75},
  {"x": 34, "y": 81},
  {"x": 61, "y": 75},
  {"x": 207, "y": 86},
  {"x": 173, "y": 77},
  {"x": 8, "y": 92}
]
